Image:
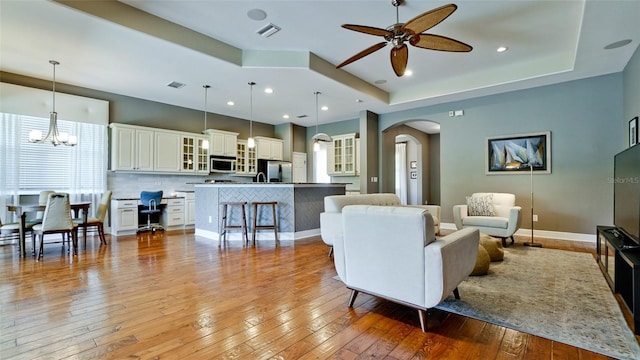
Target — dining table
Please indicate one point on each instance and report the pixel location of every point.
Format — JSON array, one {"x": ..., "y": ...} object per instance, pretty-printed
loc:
[{"x": 23, "y": 209}]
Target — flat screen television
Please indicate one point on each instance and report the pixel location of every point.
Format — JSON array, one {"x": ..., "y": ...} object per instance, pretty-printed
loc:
[{"x": 626, "y": 193}]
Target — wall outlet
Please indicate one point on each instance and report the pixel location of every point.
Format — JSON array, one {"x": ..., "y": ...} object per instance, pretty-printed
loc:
[
  {"x": 535, "y": 217},
  {"x": 451, "y": 113}
]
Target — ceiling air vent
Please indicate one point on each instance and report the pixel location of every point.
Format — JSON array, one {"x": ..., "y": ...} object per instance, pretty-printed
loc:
[
  {"x": 302, "y": 116},
  {"x": 268, "y": 30},
  {"x": 176, "y": 85}
]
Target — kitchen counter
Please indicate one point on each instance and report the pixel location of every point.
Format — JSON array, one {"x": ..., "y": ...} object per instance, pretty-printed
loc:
[{"x": 299, "y": 207}]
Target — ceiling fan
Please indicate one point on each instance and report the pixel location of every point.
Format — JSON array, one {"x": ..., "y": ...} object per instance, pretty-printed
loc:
[{"x": 413, "y": 32}]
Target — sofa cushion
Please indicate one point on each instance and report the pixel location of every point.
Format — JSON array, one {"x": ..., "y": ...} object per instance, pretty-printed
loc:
[
  {"x": 480, "y": 205},
  {"x": 486, "y": 221}
]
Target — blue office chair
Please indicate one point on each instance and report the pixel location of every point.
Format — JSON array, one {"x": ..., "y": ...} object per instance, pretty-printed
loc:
[{"x": 150, "y": 199}]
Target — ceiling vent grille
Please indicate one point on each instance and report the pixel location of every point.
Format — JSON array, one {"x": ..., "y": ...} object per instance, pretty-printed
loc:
[
  {"x": 268, "y": 30},
  {"x": 302, "y": 116},
  {"x": 176, "y": 85}
]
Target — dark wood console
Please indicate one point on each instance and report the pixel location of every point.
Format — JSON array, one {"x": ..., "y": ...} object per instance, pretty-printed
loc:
[{"x": 620, "y": 264}]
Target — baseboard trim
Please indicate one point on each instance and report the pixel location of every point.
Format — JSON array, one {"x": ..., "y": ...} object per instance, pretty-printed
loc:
[{"x": 543, "y": 234}]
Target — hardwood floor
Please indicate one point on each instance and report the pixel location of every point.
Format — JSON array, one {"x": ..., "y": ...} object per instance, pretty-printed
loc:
[{"x": 169, "y": 296}]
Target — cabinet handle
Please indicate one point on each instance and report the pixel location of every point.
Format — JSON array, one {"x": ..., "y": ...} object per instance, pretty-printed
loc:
[{"x": 127, "y": 210}]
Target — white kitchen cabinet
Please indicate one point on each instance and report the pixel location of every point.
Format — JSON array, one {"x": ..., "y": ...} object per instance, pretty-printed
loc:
[
  {"x": 132, "y": 148},
  {"x": 246, "y": 162},
  {"x": 124, "y": 216},
  {"x": 269, "y": 148},
  {"x": 195, "y": 158},
  {"x": 222, "y": 143},
  {"x": 341, "y": 155},
  {"x": 167, "y": 151},
  {"x": 173, "y": 213},
  {"x": 358, "y": 156},
  {"x": 189, "y": 206}
]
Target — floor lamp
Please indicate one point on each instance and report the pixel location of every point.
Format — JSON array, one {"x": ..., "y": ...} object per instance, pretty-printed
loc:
[{"x": 532, "y": 244}]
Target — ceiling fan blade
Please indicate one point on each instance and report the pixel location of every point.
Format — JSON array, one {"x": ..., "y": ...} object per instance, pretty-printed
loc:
[
  {"x": 363, "y": 53},
  {"x": 438, "y": 42},
  {"x": 431, "y": 18},
  {"x": 368, "y": 30},
  {"x": 399, "y": 59}
]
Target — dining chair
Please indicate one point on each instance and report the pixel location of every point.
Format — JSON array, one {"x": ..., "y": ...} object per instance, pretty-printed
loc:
[
  {"x": 150, "y": 199},
  {"x": 98, "y": 219},
  {"x": 12, "y": 228},
  {"x": 42, "y": 200},
  {"x": 56, "y": 220}
]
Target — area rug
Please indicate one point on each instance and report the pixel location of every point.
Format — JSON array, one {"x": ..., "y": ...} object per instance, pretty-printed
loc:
[{"x": 558, "y": 295}]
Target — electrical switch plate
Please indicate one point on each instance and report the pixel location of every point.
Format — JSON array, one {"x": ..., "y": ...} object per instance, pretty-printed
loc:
[
  {"x": 535, "y": 217},
  {"x": 459, "y": 113}
]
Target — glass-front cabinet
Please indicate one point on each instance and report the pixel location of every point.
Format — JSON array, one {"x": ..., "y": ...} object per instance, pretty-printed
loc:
[
  {"x": 246, "y": 163},
  {"x": 195, "y": 158},
  {"x": 341, "y": 155}
]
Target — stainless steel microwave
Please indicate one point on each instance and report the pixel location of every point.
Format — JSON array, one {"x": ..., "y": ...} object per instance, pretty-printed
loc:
[{"x": 222, "y": 164}]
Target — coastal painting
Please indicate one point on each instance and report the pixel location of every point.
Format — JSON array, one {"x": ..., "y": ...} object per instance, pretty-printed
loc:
[{"x": 515, "y": 154}]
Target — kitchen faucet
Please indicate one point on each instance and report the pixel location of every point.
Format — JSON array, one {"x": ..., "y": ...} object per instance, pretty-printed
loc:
[{"x": 264, "y": 177}]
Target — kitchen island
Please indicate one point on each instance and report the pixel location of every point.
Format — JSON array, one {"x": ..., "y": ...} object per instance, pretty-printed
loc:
[{"x": 299, "y": 207}]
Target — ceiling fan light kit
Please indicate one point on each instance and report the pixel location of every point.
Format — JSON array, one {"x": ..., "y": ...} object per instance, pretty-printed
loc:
[{"x": 398, "y": 34}]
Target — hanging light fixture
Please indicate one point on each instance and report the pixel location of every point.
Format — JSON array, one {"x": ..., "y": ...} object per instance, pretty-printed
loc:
[
  {"x": 319, "y": 137},
  {"x": 205, "y": 142},
  {"x": 57, "y": 138},
  {"x": 251, "y": 143}
]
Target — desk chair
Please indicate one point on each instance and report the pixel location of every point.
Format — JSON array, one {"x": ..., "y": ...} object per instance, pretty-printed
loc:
[
  {"x": 150, "y": 199},
  {"x": 56, "y": 220}
]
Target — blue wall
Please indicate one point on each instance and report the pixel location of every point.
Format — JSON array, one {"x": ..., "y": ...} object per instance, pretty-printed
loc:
[{"x": 583, "y": 117}]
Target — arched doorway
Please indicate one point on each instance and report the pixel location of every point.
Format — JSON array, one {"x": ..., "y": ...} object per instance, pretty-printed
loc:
[{"x": 423, "y": 151}]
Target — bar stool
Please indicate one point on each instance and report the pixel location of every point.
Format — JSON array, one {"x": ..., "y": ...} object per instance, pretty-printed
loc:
[
  {"x": 273, "y": 226},
  {"x": 225, "y": 226}
]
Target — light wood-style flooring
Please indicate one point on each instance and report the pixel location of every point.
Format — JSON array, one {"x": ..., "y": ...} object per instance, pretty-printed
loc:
[{"x": 176, "y": 296}]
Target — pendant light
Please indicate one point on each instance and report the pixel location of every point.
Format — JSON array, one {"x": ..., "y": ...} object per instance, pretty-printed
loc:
[
  {"x": 57, "y": 138},
  {"x": 319, "y": 137},
  {"x": 251, "y": 143},
  {"x": 205, "y": 142}
]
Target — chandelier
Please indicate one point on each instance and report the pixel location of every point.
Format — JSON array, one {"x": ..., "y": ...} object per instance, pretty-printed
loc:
[{"x": 56, "y": 137}]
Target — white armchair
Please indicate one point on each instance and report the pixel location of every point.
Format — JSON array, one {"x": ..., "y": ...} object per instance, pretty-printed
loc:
[
  {"x": 494, "y": 214},
  {"x": 331, "y": 218},
  {"x": 392, "y": 252}
]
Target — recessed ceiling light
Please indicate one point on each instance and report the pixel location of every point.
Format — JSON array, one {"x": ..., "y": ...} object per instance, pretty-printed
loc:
[
  {"x": 285, "y": 116},
  {"x": 324, "y": 108},
  {"x": 257, "y": 14},
  {"x": 230, "y": 103},
  {"x": 408, "y": 73},
  {"x": 268, "y": 90},
  {"x": 617, "y": 44},
  {"x": 502, "y": 49}
]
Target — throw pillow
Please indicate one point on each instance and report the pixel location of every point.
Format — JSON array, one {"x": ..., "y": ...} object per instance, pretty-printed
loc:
[{"x": 480, "y": 205}]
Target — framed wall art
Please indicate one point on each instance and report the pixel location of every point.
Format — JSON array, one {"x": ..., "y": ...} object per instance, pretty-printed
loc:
[
  {"x": 633, "y": 131},
  {"x": 515, "y": 154}
]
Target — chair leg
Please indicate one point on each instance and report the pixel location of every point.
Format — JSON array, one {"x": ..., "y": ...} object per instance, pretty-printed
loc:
[
  {"x": 330, "y": 251},
  {"x": 456, "y": 293},
  {"x": 504, "y": 242},
  {"x": 74, "y": 237},
  {"x": 512, "y": 240},
  {"x": 39, "y": 254},
  {"x": 103, "y": 241},
  {"x": 352, "y": 298},
  {"x": 422, "y": 314}
]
